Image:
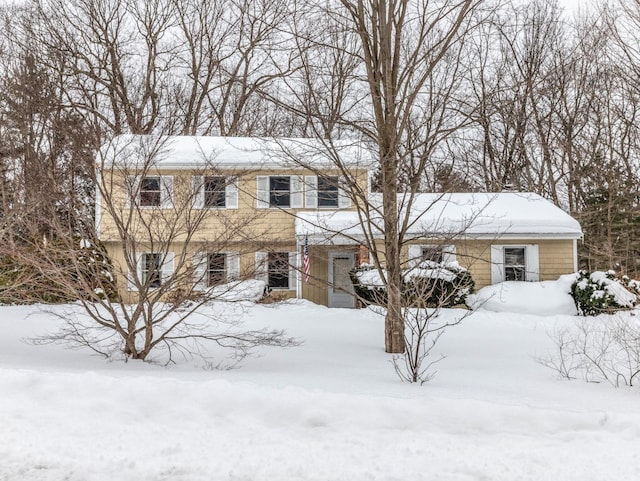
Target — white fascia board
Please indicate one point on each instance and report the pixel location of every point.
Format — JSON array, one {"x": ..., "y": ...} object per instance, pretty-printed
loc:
[
  {"x": 331, "y": 240},
  {"x": 520, "y": 236},
  {"x": 299, "y": 271},
  {"x": 337, "y": 239},
  {"x": 231, "y": 165}
]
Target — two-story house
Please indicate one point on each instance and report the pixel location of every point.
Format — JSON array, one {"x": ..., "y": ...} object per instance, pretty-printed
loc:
[{"x": 219, "y": 209}]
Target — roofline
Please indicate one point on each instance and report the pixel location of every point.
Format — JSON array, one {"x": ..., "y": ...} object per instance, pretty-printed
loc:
[
  {"x": 494, "y": 236},
  {"x": 194, "y": 165}
]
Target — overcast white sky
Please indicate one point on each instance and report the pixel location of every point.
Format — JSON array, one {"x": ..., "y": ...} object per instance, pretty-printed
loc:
[{"x": 572, "y": 6}]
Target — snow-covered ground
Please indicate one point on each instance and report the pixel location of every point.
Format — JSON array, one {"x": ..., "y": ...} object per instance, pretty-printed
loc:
[{"x": 331, "y": 409}]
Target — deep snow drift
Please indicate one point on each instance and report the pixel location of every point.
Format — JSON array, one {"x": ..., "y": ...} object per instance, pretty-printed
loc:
[{"x": 331, "y": 409}]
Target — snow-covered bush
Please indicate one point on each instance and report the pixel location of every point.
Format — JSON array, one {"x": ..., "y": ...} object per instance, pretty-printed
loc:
[
  {"x": 444, "y": 284},
  {"x": 368, "y": 285},
  {"x": 429, "y": 284},
  {"x": 598, "y": 292},
  {"x": 632, "y": 285}
]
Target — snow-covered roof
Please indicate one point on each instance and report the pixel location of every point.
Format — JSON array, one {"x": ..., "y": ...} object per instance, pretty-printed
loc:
[
  {"x": 454, "y": 215},
  {"x": 187, "y": 152}
]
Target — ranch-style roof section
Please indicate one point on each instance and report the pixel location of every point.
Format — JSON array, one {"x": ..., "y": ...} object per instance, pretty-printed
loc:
[
  {"x": 501, "y": 215},
  {"x": 189, "y": 152}
]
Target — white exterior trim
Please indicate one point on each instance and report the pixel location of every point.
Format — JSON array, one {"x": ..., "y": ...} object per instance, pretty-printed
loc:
[
  {"x": 531, "y": 256},
  {"x": 98, "y": 209},
  {"x": 299, "y": 271}
]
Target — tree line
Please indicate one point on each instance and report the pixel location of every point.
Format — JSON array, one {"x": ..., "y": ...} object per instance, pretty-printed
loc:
[{"x": 455, "y": 96}]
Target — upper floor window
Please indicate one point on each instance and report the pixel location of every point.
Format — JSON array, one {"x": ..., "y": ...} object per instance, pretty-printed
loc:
[
  {"x": 215, "y": 192},
  {"x": 327, "y": 191},
  {"x": 279, "y": 191},
  {"x": 150, "y": 191},
  {"x": 323, "y": 191}
]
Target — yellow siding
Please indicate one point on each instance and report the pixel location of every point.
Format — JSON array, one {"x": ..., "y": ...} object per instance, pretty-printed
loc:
[
  {"x": 248, "y": 229},
  {"x": 555, "y": 257},
  {"x": 247, "y": 222},
  {"x": 247, "y": 252},
  {"x": 316, "y": 289}
]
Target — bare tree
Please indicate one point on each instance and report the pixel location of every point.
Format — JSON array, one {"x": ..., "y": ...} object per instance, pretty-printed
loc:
[
  {"x": 145, "y": 289},
  {"x": 403, "y": 109}
]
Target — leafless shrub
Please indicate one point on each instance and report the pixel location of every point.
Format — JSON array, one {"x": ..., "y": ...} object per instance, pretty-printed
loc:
[
  {"x": 602, "y": 349},
  {"x": 425, "y": 321}
]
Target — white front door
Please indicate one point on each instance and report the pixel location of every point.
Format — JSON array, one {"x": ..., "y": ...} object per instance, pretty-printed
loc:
[{"x": 340, "y": 287}]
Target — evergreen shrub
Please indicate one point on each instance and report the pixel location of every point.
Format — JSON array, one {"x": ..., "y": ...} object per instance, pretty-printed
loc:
[
  {"x": 430, "y": 284},
  {"x": 600, "y": 292}
]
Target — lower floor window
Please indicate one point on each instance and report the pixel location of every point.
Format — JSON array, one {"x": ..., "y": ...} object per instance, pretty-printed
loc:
[
  {"x": 216, "y": 269},
  {"x": 278, "y": 270},
  {"x": 432, "y": 253},
  {"x": 152, "y": 270},
  {"x": 514, "y": 264}
]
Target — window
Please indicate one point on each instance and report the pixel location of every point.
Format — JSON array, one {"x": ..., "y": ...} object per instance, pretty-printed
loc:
[
  {"x": 514, "y": 264},
  {"x": 152, "y": 270},
  {"x": 278, "y": 270},
  {"x": 327, "y": 191},
  {"x": 323, "y": 191},
  {"x": 216, "y": 269},
  {"x": 215, "y": 191},
  {"x": 432, "y": 253},
  {"x": 439, "y": 253},
  {"x": 280, "y": 191},
  {"x": 150, "y": 193}
]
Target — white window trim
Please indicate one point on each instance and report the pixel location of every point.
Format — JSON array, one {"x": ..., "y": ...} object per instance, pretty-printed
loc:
[
  {"x": 201, "y": 271},
  {"x": 296, "y": 192},
  {"x": 311, "y": 193},
  {"x": 262, "y": 270},
  {"x": 166, "y": 271},
  {"x": 415, "y": 253},
  {"x": 166, "y": 191},
  {"x": 230, "y": 192},
  {"x": 531, "y": 256}
]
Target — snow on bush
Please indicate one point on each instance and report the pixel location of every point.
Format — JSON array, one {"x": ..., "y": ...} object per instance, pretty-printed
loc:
[
  {"x": 430, "y": 283},
  {"x": 599, "y": 292},
  {"x": 443, "y": 284}
]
